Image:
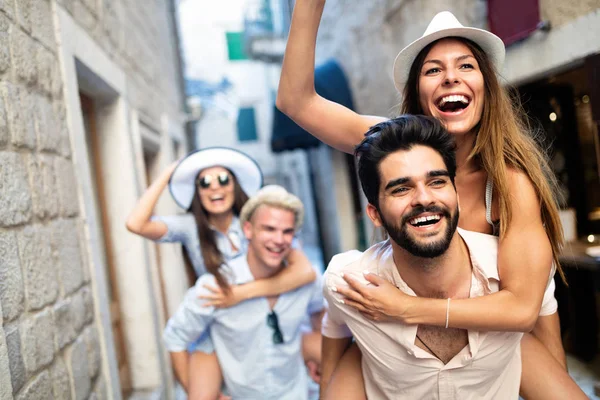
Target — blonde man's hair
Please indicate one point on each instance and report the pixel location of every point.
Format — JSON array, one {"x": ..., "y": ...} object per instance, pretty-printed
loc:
[{"x": 274, "y": 196}]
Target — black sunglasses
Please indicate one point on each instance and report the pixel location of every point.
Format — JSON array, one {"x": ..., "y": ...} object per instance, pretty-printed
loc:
[
  {"x": 206, "y": 180},
  {"x": 273, "y": 322}
]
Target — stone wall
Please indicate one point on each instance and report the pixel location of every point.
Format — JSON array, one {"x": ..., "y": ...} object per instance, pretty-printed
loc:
[
  {"x": 560, "y": 12},
  {"x": 49, "y": 334},
  {"x": 138, "y": 36}
]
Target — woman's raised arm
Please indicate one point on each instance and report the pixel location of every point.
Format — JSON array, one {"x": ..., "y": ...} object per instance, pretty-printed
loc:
[
  {"x": 299, "y": 272},
  {"x": 139, "y": 220},
  {"x": 329, "y": 122}
]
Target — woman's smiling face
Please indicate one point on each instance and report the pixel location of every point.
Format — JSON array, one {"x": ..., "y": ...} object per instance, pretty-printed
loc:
[
  {"x": 216, "y": 190},
  {"x": 451, "y": 86}
]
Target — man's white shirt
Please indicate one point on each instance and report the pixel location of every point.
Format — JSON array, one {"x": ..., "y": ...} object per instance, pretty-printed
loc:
[{"x": 489, "y": 367}]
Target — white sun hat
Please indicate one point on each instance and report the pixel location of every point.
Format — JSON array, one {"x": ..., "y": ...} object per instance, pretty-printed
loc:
[
  {"x": 443, "y": 25},
  {"x": 182, "y": 184}
]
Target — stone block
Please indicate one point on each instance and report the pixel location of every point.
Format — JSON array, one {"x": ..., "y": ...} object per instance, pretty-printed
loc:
[
  {"x": 19, "y": 111},
  {"x": 78, "y": 311},
  {"x": 84, "y": 17},
  {"x": 40, "y": 388},
  {"x": 65, "y": 242},
  {"x": 88, "y": 304},
  {"x": 61, "y": 380},
  {"x": 77, "y": 359},
  {"x": 93, "y": 349},
  {"x": 46, "y": 71},
  {"x": 41, "y": 285},
  {"x": 92, "y": 6},
  {"x": 6, "y": 390},
  {"x": 8, "y": 7},
  {"x": 4, "y": 132},
  {"x": 45, "y": 125},
  {"x": 11, "y": 279},
  {"x": 64, "y": 147},
  {"x": 43, "y": 26},
  {"x": 112, "y": 24},
  {"x": 63, "y": 320},
  {"x": 67, "y": 4},
  {"x": 4, "y": 40},
  {"x": 25, "y": 13},
  {"x": 23, "y": 50},
  {"x": 67, "y": 187},
  {"x": 18, "y": 376},
  {"x": 42, "y": 179},
  {"x": 37, "y": 338},
  {"x": 15, "y": 201}
]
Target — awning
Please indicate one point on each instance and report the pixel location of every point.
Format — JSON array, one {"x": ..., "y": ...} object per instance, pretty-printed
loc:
[{"x": 331, "y": 83}]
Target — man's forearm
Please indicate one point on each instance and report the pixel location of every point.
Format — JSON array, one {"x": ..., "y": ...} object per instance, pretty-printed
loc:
[
  {"x": 331, "y": 353},
  {"x": 547, "y": 331},
  {"x": 181, "y": 363}
]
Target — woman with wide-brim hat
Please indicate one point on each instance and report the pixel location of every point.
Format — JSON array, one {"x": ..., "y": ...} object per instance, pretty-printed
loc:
[
  {"x": 505, "y": 184},
  {"x": 212, "y": 184}
]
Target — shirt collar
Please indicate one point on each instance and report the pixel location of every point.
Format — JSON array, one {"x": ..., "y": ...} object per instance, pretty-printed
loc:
[
  {"x": 234, "y": 226},
  {"x": 234, "y": 233},
  {"x": 237, "y": 270},
  {"x": 483, "y": 252}
]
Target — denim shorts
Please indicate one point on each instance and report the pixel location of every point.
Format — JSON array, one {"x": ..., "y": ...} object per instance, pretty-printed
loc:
[{"x": 203, "y": 344}]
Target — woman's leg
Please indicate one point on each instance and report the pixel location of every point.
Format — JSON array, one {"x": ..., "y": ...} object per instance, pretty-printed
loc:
[
  {"x": 543, "y": 377},
  {"x": 347, "y": 380},
  {"x": 205, "y": 376}
]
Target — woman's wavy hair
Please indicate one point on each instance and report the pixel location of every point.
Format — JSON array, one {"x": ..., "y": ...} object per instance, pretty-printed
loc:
[
  {"x": 505, "y": 139},
  {"x": 213, "y": 258}
]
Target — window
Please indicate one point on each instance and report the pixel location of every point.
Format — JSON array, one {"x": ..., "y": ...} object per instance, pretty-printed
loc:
[
  {"x": 246, "y": 125},
  {"x": 235, "y": 46}
]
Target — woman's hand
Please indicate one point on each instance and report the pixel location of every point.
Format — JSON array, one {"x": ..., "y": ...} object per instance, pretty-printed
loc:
[
  {"x": 380, "y": 301},
  {"x": 219, "y": 298}
]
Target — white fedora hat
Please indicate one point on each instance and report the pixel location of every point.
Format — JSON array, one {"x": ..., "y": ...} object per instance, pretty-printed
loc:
[
  {"x": 182, "y": 184},
  {"x": 443, "y": 25}
]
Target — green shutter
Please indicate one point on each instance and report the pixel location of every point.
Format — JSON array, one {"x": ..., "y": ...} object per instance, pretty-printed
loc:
[
  {"x": 246, "y": 125},
  {"x": 235, "y": 46}
]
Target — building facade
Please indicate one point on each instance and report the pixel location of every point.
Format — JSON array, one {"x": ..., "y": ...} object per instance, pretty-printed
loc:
[
  {"x": 91, "y": 110},
  {"x": 233, "y": 54}
]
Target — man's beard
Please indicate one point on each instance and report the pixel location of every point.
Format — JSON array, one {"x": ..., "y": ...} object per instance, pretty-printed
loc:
[{"x": 399, "y": 233}]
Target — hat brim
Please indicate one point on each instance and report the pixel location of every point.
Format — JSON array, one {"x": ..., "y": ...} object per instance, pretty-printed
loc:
[
  {"x": 182, "y": 183},
  {"x": 491, "y": 44}
]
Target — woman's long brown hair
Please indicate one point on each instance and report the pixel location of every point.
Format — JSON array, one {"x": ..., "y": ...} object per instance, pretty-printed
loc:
[
  {"x": 505, "y": 140},
  {"x": 213, "y": 258}
]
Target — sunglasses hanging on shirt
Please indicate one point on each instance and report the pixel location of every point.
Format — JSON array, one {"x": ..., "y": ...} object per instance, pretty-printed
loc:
[
  {"x": 273, "y": 322},
  {"x": 206, "y": 180}
]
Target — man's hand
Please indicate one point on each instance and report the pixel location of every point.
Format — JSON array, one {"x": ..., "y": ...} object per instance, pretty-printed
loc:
[
  {"x": 314, "y": 370},
  {"x": 380, "y": 301}
]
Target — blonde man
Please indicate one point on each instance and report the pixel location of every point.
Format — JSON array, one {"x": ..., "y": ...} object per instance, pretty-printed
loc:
[{"x": 258, "y": 342}]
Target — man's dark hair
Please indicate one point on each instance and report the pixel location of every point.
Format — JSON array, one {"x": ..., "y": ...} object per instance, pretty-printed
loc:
[{"x": 401, "y": 133}]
